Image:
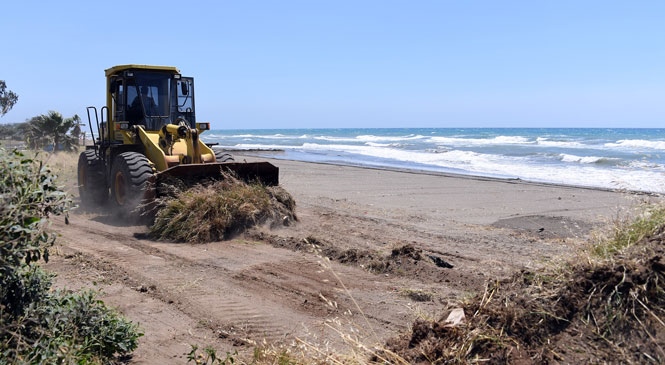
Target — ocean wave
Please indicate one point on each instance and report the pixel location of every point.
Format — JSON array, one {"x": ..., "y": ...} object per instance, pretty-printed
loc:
[
  {"x": 637, "y": 144},
  {"x": 370, "y": 138},
  {"x": 457, "y": 159},
  {"x": 564, "y": 157},
  {"x": 546, "y": 142},
  {"x": 393, "y": 145},
  {"x": 632, "y": 162},
  {"x": 373, "y": 138},
  {"x": 498, "y": 140},
  {"x": 585, "y": 171},
  {"x": 646, "y": 165},
  {"x": 595, "y": 176},
  {"x": 254, "y": 146},
  {"x": 262, "y": 136}
]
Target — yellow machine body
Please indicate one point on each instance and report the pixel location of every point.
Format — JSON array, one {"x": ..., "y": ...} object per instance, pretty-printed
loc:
[{"x": 147, "y": 131}]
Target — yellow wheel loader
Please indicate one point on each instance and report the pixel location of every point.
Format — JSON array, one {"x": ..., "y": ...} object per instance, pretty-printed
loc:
[{"x": 147, "y": 134}]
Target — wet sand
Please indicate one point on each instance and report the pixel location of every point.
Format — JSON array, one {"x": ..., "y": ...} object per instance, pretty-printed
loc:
[{"x": 454, "y": 198}]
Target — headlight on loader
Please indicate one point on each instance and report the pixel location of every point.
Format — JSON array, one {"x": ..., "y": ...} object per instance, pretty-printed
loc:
[
  {"x": 123, "y": 126},
  {"x": 203, "y": 126}
]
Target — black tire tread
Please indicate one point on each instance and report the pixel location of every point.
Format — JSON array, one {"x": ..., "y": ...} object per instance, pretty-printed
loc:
[
  {"x": 94, "y": 190},
  {"x": 139, "y": 174}
]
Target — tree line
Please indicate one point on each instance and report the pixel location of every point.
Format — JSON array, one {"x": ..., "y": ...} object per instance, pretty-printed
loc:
[{"x": 50, "y": 131}]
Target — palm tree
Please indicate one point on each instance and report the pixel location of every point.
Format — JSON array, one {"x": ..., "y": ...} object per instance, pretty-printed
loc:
[
  {"x": 76, "y": 131},
  {"x": 52, "y": 130}
]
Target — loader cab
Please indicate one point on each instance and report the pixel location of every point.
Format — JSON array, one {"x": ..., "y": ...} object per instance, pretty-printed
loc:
[{"x": 151, "y": 97}]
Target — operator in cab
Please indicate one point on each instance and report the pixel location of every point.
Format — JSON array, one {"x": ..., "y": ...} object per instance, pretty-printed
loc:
[
  {"x": 147, "y": 101},
  {"x": 143, "y": 105}
]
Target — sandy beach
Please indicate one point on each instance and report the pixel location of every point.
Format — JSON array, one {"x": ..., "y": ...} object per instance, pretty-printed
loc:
[{"x": 372, "y": 251}]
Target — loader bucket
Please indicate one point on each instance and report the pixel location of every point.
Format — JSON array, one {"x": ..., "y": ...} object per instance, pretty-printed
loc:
[{"x": 263, "y": 172}]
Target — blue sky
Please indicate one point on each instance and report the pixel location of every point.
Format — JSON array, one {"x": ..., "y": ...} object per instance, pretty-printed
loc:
[{"x": 374, "y": 63}]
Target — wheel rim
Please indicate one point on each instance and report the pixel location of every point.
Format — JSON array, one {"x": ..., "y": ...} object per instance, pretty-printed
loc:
[{"x": 120, "y": 188}]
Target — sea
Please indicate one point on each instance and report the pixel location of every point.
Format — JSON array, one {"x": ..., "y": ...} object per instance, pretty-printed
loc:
[{"x": 608, "y": 158}]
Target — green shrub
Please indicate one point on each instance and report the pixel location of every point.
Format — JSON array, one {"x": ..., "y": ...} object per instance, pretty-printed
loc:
[
  {"x": 209, "y": 356},
  {"x": 28, "y": 195},
  {"x": 37, "y": 325},
  {"x": 76, "y": 327}
]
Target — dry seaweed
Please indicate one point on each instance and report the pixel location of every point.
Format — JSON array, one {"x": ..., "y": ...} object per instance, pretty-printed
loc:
[
  {"x": 607, "y": 308},
  {"x": 219, "y": 210}
]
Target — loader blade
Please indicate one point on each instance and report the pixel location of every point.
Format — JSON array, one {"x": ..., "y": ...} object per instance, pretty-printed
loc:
[{"x": 262, "y": 172}]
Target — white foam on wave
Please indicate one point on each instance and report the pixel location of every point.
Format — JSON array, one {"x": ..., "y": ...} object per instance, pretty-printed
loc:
[
  {"x": 580, "y": 170},
  {"x": 455, "y": 159},
  {"x": 586, "y": 173},
  {"x": 260, "y": 146},
  {"x": 267, "y": 136},
  {"x": 498, "y": 140},
  {"x": 546, "y": 142},
  {"x": 370, "y": 138},
  {"x": 564, "y": 157},
  {"x": 591, "y": 176},
  {"x": 251, "y": 137},
  {"x": 637, "y": 144},
  {"x": 374, "y": 144},
  {"x": 373, "y": 138},
  {"x": 646, "y": 165}
]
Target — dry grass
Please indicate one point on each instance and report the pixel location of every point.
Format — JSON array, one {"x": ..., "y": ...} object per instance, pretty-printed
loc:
[
  {"x": 606, "y": 304},
  {"x": 219, "y": 210},
  {"x": 63, "y": 165},
  {"x": 417, "y": 295},
  {"x": 626, "y": 232}
]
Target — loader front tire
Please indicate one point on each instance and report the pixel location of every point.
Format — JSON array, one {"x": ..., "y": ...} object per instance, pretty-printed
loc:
[
  {"x": 132, "y": 182},
  {"x": 92, "y": 185}
]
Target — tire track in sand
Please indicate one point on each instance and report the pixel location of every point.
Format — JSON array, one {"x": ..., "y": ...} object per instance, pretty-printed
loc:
[{"x": 198, "y": 285}]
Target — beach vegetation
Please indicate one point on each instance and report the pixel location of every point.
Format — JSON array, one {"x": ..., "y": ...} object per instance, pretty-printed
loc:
[
  {"x": 208, "y": 356},
  {"x": 625, "y": 232},
  {"x": 38, "y": 324}
]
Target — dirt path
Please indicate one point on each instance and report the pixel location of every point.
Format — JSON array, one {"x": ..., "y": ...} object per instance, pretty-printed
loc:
[{"x": 372, "y": 251}]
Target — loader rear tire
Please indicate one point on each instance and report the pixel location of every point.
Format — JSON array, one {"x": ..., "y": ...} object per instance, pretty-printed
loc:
[
  {"x": 132, "y": 182},
  {"x": 92, "y": 185},
  {"x": 223, "y": 157}
]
